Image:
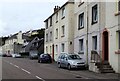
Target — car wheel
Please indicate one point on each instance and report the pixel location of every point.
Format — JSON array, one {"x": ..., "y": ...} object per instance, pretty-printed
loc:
[
  {"x": 38, "y": 61},
  {"x": 59, "y": 65},
  {"x": 69, "y": 67}
]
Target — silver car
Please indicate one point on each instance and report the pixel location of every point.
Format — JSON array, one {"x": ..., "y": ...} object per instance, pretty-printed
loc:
[{"x": 70, "y": 61}]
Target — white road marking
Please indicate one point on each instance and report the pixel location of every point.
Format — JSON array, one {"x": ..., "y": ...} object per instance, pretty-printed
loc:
[
  {"x": 11, "y": 63},
  {"x": 39, "y": 78},
  {"x": 25, "y": 71},
  {"x": 16, "y": 66}
]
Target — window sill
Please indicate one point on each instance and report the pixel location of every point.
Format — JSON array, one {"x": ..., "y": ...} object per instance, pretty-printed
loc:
[
  {"x": 80, "y": 28},
  {"x": 56, "y": 21},
  {"x": 63, "y": 36},
  {"x": 80, "y": 4},
  {"x": 63, "y": 17},
  {"x": 56, "y": 38},
  {"x": 80, "y": 52},
  {"x": 94, "y": 22},
  {"x": 118, "y": 13},
  {"x": 117, "y": 51}
]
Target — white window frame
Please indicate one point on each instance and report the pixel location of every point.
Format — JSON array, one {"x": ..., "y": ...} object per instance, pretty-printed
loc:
[
  {"x": 56, "y": 48},
  {"x": 81, "y": 45},
  {"x": 56, "y": 17},
  {"x": 50, "y": 21},
  {"x": 63, "y": 30},
  {"x": 94, "y": 42},
  {"x": 51, "y": 36},
  {"x": 118, "y": 5},
  {"x": 47, "y": 37},
  {"x": 46, "y": 23},
  {"x": 94, "y": 13},
  {"x": 46, "y": 49},
  {"x": 62, "y": 47},
  {"x": 56, "y": 33},
  {"x": 81, "y": 21},
  {"x": 63, "y": 12},
  {"x": 118, "y": 40}
]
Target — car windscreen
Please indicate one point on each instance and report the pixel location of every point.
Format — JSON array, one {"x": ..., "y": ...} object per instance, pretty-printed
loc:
[
  {"x": 46, "y": 55},
  {"x": 73, "y": 57}
]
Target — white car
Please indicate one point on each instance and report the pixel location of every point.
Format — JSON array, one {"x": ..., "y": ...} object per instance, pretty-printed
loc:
[{"x": 16, "y": 55}]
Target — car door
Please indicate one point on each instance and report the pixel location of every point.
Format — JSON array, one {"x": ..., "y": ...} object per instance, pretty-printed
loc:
[
  {"x": 65, "y": 61},
  {"x": 62, "y": 61}
]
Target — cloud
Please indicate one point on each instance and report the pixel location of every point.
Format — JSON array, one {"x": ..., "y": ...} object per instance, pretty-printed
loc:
[
  {"x": 2, "y": 27},
  {"x": 21, "y": 1}
]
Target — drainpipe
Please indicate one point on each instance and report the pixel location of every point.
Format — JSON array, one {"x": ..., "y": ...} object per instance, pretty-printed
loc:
[{"x": 87, "y": 35}]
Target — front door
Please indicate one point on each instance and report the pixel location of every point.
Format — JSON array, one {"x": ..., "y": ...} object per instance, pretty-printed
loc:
[{"x": 105, "y": 46}]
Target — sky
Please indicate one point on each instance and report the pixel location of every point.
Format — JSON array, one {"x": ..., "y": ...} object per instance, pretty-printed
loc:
[{"x": 24, "y": 15}]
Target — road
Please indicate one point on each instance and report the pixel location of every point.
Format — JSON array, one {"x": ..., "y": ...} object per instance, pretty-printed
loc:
[{"x": 24, "y": 68}]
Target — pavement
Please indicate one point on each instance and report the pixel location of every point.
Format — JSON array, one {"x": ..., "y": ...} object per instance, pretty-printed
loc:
[{"x": 26, "y": 69}]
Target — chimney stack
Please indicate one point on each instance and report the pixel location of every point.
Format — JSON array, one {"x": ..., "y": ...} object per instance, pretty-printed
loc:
[{"x": 56, "y": 8}]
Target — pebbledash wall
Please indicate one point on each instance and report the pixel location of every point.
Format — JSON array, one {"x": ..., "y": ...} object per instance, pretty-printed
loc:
[
  {"x": 61, "y": 25},
  {"x": 107, "y": 21},
  {"x": 113, "y": 27}
]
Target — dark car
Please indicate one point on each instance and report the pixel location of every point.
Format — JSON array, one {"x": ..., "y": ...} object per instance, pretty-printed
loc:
[
  {"x": 44, "y": 58},
  {"x": 8, "y": 55}
]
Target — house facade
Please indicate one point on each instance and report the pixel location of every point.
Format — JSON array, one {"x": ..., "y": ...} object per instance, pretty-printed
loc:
[
  {"x": 97, "y": 29},
  {"x": 14, "y": 43},
  {"x": 90, "y": 29},
  {"x": 59, "y": 30}
]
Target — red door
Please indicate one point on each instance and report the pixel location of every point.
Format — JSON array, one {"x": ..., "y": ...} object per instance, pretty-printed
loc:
[{"x": 105, "y": 44}]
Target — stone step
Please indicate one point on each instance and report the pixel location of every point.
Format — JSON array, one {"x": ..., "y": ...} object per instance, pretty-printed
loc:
[
  {"x": 107, "y": 71},
  {"x": 105, "y": 67}
]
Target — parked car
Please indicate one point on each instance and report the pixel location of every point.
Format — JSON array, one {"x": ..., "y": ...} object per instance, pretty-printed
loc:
[
  {"x": 70, "y": 61},
  {"x": 2, "y": 55},
  {"x": 44, "y": 58},
  {"x": 8, "y": 55},
  {"x": 33, "y": 55},
  {"x": 16, "y": 55}
]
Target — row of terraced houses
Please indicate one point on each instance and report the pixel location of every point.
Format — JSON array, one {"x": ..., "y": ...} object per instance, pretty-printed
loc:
[{"x": 90, "y": 29}]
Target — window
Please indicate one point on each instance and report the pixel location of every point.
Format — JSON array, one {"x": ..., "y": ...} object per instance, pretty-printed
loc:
[
  {"x": 46, "y": 49},
  {"x": 56, "y": 17},
  {"x": 119, "y": 39},
  {"x": 46, "y": 24},
  {"x": 81, "y": 21},
  {"x": 94, "y": 14},
  {"x": 50, "y": 36},
  {"x": 119, "y": 6},
  {"x": 50, "y": 21},
  {"x": 46, "y": 37},
  {"x": 50, "y": 49},
  {"x": 94, "y": 42},
  {"x": 81, "y": 45},
  {"x": 63, "y": 13},
  {"x": 56, "y": 34},
  {"x": 62, "y": 47},
  {"x": 63, "y": 31},
  {"x": 56, "y": 48}
]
